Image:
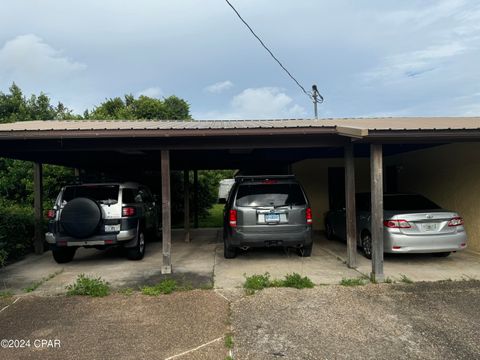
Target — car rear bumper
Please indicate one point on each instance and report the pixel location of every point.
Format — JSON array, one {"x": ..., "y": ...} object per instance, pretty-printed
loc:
[
  {"x": 251, "y": 238},
  {"x": 400, "y": 243},
  {"x": 122, "y": 237}
]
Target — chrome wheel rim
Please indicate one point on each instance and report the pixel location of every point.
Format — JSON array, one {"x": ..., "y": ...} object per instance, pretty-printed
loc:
[{"x": 367, "y": 245}]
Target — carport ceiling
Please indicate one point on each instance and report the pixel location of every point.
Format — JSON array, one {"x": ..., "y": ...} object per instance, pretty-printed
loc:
[{"x": 132, "y": 145}]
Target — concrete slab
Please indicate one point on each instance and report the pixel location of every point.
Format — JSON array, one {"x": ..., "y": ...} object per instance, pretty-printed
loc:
[
  {"x": 200, "y": 263},
  {"x": 192, "y": 264},
  {"x": 322, "y": 267},
  {"x": 417, "y": 267}
]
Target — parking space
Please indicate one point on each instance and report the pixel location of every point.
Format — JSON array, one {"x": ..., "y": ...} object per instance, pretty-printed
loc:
[{"x": 200, "y": 264}]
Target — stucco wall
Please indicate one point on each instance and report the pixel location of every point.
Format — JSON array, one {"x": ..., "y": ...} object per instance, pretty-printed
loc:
[
  {"x": 450, "y": 176},
  {"x": 313, "y": 175}
]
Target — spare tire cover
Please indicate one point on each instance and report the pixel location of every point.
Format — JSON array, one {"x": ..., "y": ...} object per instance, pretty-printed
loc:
[{"x": 80, "y": 217}]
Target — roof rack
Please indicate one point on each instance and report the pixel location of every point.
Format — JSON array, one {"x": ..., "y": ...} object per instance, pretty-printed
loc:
[{"x": 242, "y": 178}]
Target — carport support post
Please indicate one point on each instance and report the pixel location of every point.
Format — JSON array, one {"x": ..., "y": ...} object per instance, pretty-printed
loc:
[
  {"x": 166, "y": 216},
  {"x": 376, "y": 183},
  {"x": 38, "y": 206},
  {"x": 186, "y": 194},
  {"x": 350, "y": 211},
  {"x": 195, "y": 199}
]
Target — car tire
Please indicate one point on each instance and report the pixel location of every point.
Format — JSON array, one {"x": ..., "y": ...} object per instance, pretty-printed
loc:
[
  {"x": 229, "y": 252},
  {"x": 63, "y": 255},
  {"x": 367, "y": 245},
  {"x": 305, "y": 251},
  {"x": 329, "y": 231},
  {"x": 442, "y": 254},
  {"x": 138, "y": 251}
]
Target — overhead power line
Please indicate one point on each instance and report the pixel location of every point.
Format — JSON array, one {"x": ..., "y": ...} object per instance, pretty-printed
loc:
[{"x": 314, "y": 95}]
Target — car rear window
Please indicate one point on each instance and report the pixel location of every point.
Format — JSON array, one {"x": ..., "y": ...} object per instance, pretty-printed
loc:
[
  {"x": 408, "y": 202},
  {"x": 94, "y": 192},
  {"x": 270, "y": 195}
]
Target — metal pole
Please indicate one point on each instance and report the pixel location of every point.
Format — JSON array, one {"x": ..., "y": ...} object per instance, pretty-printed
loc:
[
  {"x": 38, "y": 206},
  {"x": 315, "y": 100},
  {"x": 166, "y": 215},
  {"x": 376, "y": 170}
]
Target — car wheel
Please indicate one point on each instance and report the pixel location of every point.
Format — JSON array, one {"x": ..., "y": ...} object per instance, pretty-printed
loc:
[
  {"x": 229, "y": 252},
  {"x": 329, "y": 231},
  {"x": 305, "y": 251},
  {"x": 367, "y": 245},
  {"x": 63, "y": 255},
  {"x": 138, "y": 251},
  {"x": 442, "y": 254}
]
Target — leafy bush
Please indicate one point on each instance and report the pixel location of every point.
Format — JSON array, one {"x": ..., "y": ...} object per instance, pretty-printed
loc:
[
  {"x": 16, "y": 231},
  {"x": 296, "y": 281},
  {"x": 88, "y": 286}
]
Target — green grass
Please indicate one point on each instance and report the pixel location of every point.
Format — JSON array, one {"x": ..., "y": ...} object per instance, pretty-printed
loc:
[
  {"x": 6, "y": 294},
  {"x": 229, "y": 341},
  {"x": 214, "y": 217},
  {"x": 353, "y": 282},
  {"x": 88, "y": 286},
  {"x": 228, "y": 358},
  {"x": 34, "y": 286},
  {"x": 126, "y": 291},
  {"x": 258, "y": 282},
  {"x": 166, "y": 286},
  {"x": 405, "y": 279}
]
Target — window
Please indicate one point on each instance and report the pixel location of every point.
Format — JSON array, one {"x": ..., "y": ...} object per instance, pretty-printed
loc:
[
  {"x": 408, "y": 202},
  {"x": 94, "y": 192},
  {"x": 270, "y": 195},
  {"x": 129, "y": 195}
]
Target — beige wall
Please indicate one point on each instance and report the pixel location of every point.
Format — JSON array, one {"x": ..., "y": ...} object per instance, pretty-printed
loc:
[
  {"x": 450, "y": 176},
  {"x": 313, "y": 175}
]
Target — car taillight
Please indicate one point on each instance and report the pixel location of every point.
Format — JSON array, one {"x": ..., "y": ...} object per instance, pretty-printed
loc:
[
  {"x": 456, "y": 221},
  {"x": 269, "y": 181},
  {"x": 51, "y": 213},
  {"x": 233, "y": 218},
  {"x": 308, "y": 216},
  {"x": 397, "y": 224},
  {"x": 128, "y": 211}
]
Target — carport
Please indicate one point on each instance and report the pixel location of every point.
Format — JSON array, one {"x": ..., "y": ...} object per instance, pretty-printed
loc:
[{"x": 151, "y": 149}]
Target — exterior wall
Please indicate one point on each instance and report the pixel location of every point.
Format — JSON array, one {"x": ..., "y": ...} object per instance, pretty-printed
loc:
[
  {"x": 450, "y": 176},
  {"x": 313, "y": 175}
]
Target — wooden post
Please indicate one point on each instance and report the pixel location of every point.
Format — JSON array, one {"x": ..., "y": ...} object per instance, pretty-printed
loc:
[
  {"x": 195, "y": 199},
  {"x": 186, "y": 194},
  {"x": 166, "y": 216},
  {"x": 350, "y": 211},
  {"x": 38, "y": 206},
  {"x": 376, "y": 173}
]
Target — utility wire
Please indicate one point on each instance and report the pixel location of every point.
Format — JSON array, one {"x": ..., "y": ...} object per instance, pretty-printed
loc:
[{"x": 311, "y": 95}]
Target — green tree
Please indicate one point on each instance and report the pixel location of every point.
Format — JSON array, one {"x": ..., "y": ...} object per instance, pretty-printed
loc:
[{"x": 143, "y": 107}]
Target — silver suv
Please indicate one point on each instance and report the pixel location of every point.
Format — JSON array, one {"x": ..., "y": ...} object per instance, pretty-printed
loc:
[
  {"x": 102, "y": 215},
  {"x": 267, "y": 211}
]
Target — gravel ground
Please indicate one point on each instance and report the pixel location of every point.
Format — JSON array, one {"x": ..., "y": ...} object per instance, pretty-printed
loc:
[
  {"x": 118, "y": 326},
  {"x": 414, "y": 321}
]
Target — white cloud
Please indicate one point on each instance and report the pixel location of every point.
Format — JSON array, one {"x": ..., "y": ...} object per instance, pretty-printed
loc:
[
  {"x": 28, "y": 59},
  {"x": 219, "y": 87},
  {"x": 153, "y": 92},
  {"x": 259, "y": 103}
]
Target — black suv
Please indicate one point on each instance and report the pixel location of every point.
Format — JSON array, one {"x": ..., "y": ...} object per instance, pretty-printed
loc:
[
  {"x": 102, "y": 215},
  {"x": 268, "y": 210}
]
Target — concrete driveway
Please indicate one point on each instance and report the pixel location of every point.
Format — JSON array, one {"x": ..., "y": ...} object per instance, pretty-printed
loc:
[
  {"x": 118, "y": 327},
  {"x": 201, "y": 264},
  {"x": 390, "y": 321}
]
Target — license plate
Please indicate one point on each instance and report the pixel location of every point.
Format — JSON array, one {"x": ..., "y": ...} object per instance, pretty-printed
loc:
[
  {"x": 429, "y": 227},
  {"x": 112, "y": 228},
  {"x": 270, "y": 218}
]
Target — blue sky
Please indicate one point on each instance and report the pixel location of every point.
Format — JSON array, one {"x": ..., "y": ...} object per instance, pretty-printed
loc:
[{"x": 368, "y": 58}]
